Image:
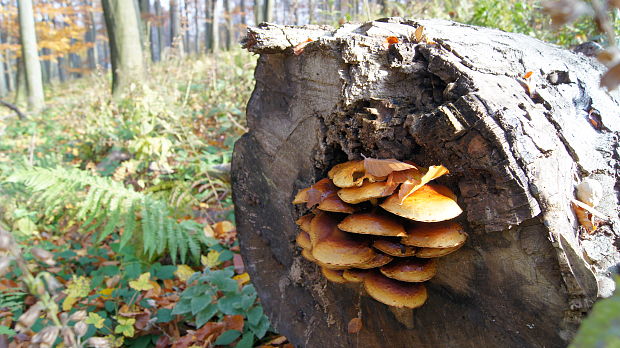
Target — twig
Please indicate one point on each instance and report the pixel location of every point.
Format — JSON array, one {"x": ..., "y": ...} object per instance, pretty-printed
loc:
[
  {"x": 232, "y": 119},
  {"x": 14, "y": 108}
]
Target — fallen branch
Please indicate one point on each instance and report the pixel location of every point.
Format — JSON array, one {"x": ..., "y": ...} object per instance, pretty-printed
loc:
[{"x": 20, "y": 114}]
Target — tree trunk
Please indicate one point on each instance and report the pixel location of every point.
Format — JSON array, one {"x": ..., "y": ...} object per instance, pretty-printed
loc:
[
  {"x": 215, "y": 28},
  {"x": 528, "y": 273},
  {"x": 311, "y": 11},
  {"x": 160, "y": 31},
  {"x": 258, "y": 12},
  {"x": 242, "y": 14},
  {"x": 125, "y": 47},
  {"x": 91, "y": 38},
  {"x": 268, "y": 10},
  {"x": 175, "y": 27},
  {"x": 3, "y": 85},
  {"x": 30, "y": 54},
  {"x": 197, "y": 27},
  {"x": 229, "y": 25}
]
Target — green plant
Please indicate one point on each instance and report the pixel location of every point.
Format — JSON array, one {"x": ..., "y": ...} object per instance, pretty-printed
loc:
[
  {"x": 213, "y": 293},
  {"x": 102, "y": 202}
]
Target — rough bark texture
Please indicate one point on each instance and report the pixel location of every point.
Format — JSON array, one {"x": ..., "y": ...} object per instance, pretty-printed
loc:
[{"x": 528, "y": 272}]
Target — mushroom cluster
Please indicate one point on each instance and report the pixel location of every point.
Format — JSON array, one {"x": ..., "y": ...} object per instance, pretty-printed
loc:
[{"x": 380, "y": 223}]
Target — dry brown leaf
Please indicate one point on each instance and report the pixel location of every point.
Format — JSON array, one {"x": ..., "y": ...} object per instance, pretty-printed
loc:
[
  {"x": 402, "y": 176},
  {"x": 319, "y": 191},
  {"x": 383, "y": 167},
  {"x": 234, "y": 322},
  {"x": 419, "y": 34},
  {"x": 528, "y": 75},
  {"x": 299, "y": 48},
  {"x": 606, "y": 56},
  {"x": 591, "y": 210},
  {"x": 410, "y": 186},
  {"x": 594, "y": 117},
  {"x": 355, "y": 325},
  {"x": 611, "y": 79},
  {"x": 585, "y": 215}
]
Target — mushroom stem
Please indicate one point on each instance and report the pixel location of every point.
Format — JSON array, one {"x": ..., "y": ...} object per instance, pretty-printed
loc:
[{"x": 404, "y": 316}]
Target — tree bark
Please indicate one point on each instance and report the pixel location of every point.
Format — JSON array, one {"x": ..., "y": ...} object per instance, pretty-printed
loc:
[
  {"x": 30, "y": 54},
  {"x": 268, "y": 10},
  {"x": 215, "y": 26},
  {"x": 175, "y": 27},
  {"x": 528, "y": 273},
  {"x": 229, "y": 25},
  {"x": 125, "y": 47}
]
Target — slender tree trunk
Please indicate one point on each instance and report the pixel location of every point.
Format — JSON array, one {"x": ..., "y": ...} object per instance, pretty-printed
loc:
[
  {"x": 47, "y": 66},
  {"x": 243, "y": 12},
  {"x": 75, "y": 61},
  {"x": 126, "y": 50},
  {"x": 197, "y": 26},
  {"x": 185, "y": 27},
  {"x": 30, "y": 54},
  {"x": 160, "y": 30},
  {"x": 258, "y": 12},
  {"x": 175, "y": 26},
  {"x": 91, "y": 38},
  {"x": 146, "y": 25},
  {"x": 310, "y": 11},
  {"x": 62, "y": 71},
  {"x": 10, "y": 74},
  {"x": 209, "y": 25},
  {"x": 3, "y": 86},
  {"x": 268, "y": 10},
  {"x": 20, "y": 82},
  {"x": 229, "y": 26},
  {"x": 215, "y": 31}
]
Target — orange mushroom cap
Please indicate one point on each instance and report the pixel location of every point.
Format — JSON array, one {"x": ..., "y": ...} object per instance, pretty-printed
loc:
[
  {"x": 429, "y": 203},
  {"x": 304, "y": 222},
  {"x": 366, "y": 192},
  {"x": 350, "y": 174},
  {"x": 447, "y": 234},
  {"x": 354, "y": 275},
  {"x": 333, "y": 275},
  {"x": 303, "y": 240},
  {"x": 435, "y": 252},
  {"x": 393, "y": 292},
  {"x": 411, "y": 269},
  {"x": 377, "y": 261},
  {"x": 334, "y": 204},
  {"x": 394, "y": 248},
  {"x": 372, "y": 223}
]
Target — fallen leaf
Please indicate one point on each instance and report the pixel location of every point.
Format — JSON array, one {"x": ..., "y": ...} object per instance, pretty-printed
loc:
[
  {"x": 528, "y": 74},
  {"x": 95, "y": 319},
  {"x": 142, "y": 283},
  {"x": 242, "y": 278},
  {"x": 238, "y": 263},
  {"x": 410, "y": 186},
  {"x": 234, "y": 322},
  {"x": 355, "y": 325},
  {"x": 211, "y": 260},
  {"x": 183, "y": 272},
  {"x": 299, "y": 48},
  {"x": 594, "y": 117},
  {"x": 383, "y": 167},
  {"x": 419, "y": 34}
]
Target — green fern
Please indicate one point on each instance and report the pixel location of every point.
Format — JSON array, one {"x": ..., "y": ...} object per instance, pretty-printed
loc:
[
  {"x": 108, "y": 205},
  {"x": 12, "y": 299}
]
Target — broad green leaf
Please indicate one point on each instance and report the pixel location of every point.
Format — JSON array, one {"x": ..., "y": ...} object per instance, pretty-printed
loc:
[
  {"x": 227, "y": 338},
  {"x": 198, "y": 303},
  {"x": 206, "y": 314}
]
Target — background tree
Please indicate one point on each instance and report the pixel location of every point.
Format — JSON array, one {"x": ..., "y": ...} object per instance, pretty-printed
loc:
[
  {"x": 125, "y": 48},
  {"x": 32, "y": 67}
]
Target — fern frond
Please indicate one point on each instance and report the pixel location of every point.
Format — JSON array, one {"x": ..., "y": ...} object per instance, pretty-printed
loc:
[{"x": 102, "y": 202}]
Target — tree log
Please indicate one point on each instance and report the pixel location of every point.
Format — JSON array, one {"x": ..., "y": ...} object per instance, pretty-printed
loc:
[{"x": 515, "y": 147}]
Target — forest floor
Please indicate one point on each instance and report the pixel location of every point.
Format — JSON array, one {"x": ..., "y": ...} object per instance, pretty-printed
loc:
[{"x": 122, "y": 216}]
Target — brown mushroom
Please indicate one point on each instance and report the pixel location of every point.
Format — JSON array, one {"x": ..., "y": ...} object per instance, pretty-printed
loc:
[
  {"x": 394, "y": 248},
  {"x": 429, "y": 203},
  {"x": 411, "y": 269},
  {"x": 334, "y": 204},
  {"x": 377, "y": 261},
  {"x": 303, "y": 240},
  {"x": 301, "y": 196},
  {"x": 350, "y": 174},
  {"x": 333, "y": 275},
  {"x": 304, "y": 222},
  {"x": 447, "y": 234},
  {"x": 354, "y": 275},
  {"x": 372, "y": 223},
  {"x": 366, "y": 192},
  {"x": 435, "y": 252},
  {"x": 393, "y": 292}
]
